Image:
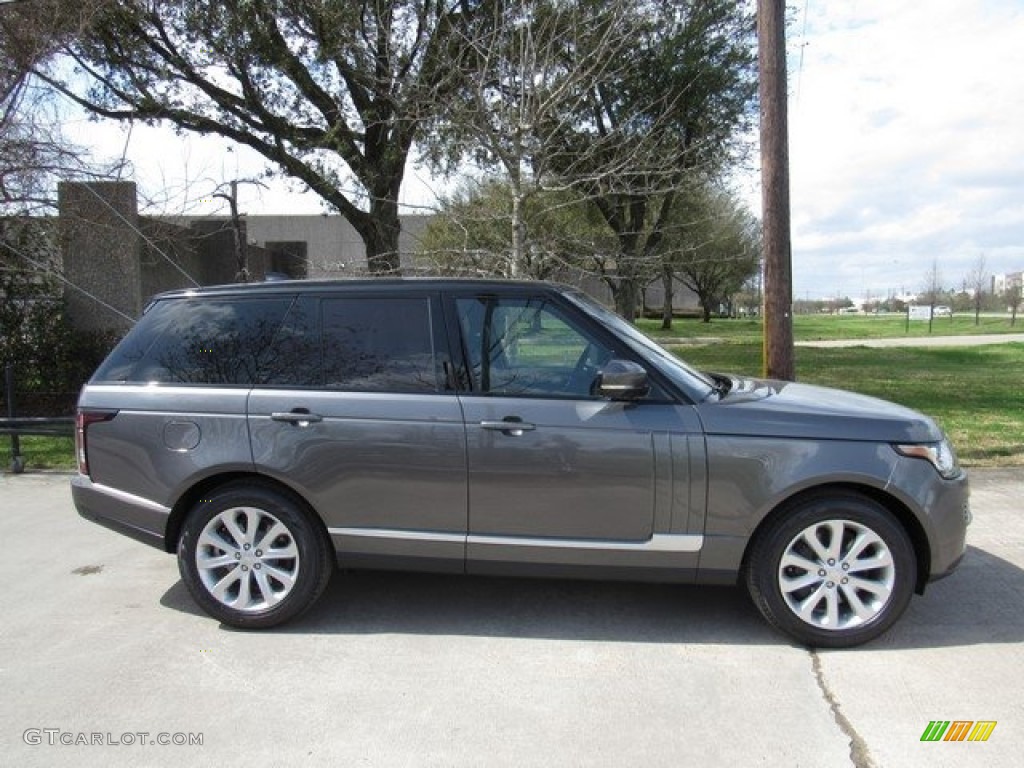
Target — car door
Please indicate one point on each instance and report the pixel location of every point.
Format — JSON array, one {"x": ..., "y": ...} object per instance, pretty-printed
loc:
[
  {"x": 357, "y": 415},
  {"x": 557, "y": 475}
]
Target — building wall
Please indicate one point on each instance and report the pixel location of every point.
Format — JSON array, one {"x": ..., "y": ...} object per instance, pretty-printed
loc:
[
  {"x": 117, "y": 256},
  {"x": 333, "y": 247},
  {"x": 101, "y": 253}
]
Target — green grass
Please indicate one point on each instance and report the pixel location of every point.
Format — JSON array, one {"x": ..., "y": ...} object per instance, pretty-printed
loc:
[
  {"x": 41, "y": 452},
  {"x": 825, "y": 327},
  {"x": 974, "y": 393}
]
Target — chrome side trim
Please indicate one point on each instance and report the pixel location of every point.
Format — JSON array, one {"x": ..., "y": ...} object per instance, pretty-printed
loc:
[
  {"x": 127, "y": 498},
  {"x": 659, "y": 542},
  {"x": 400, "y": 535}
]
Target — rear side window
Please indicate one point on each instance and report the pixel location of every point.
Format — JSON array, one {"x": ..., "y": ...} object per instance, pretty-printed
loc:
[
  {"x": 223, "y": 342},
  {"x": 378, "y": 344}
]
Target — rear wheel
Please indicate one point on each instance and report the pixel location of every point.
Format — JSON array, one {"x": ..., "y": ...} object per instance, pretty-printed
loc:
[
  {"x": 835, "y": 570},
  {"x": 252, "y": 557}
]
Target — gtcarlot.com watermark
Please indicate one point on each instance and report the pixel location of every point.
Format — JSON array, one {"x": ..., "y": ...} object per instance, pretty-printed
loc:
[{"x": 58, "y": 737}]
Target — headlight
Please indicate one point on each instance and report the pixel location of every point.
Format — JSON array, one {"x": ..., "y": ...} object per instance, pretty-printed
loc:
[{"x": 941, "y": 455}]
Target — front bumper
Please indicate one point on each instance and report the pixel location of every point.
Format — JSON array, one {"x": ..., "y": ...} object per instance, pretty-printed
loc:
[{"x": 948, "y": 517}]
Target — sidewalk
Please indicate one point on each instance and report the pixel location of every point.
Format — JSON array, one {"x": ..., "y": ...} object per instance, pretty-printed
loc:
[{"x": 920, "y": 341}]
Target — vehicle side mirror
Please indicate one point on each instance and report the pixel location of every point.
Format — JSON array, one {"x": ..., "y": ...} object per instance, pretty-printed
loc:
[{"x": 621, "y": 380}]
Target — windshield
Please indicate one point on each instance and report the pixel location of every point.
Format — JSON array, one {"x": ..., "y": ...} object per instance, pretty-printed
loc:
[{"x": 695, "y": 383}]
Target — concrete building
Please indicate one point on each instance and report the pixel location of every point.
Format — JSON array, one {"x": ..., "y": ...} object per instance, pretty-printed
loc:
[
  {"x": 113, "y": 259},
  {"x": 116, "y": 259}
]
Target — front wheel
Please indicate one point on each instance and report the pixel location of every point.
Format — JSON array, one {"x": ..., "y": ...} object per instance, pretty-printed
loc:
[
  {"x": 835, "y": 570},
  {"x": 251, "y": 557}
]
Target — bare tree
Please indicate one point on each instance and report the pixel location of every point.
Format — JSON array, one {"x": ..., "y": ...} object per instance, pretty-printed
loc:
[
  {"x": 932, "y": 290},
  {"x": 470, "y": 235},
  {"x": 524, "y": 79},
  {"x": 1012, "y": 296},
  {"x": 34, "y": 153},
  {"x": 240, "y": 245},
  {"x": 975, "y": 282}
]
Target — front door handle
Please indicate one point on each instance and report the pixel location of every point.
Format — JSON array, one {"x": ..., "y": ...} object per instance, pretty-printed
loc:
[
  {"x": 512, "y": 426},
  {"x": 301, "y": 417}
]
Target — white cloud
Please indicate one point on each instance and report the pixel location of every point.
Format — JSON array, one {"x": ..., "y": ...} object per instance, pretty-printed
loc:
[{"x": 906, "y": 142}]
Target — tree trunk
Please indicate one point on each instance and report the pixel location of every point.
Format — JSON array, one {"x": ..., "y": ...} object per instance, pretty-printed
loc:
[
  {"x": 625, "y": 298},
  {"x": 667, "y": 282},
  {"x": 380, "y": 232},
  {"x": 517, "y": 233}
]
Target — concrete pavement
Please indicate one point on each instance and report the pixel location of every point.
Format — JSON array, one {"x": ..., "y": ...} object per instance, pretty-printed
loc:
[{"x": 100, "y": 643}]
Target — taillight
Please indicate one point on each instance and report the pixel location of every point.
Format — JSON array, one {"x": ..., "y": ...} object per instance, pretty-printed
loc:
[{"x": 82, "y": 421}]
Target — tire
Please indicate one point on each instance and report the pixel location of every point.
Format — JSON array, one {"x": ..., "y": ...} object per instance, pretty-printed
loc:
[
  {"x": 252, "y": 557},
  {"x": 834, "y": 570}
]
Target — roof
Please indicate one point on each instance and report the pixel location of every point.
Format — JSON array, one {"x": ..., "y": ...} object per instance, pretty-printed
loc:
[{"x": 364, "y": 284}]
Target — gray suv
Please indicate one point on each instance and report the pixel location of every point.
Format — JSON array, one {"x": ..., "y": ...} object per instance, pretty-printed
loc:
[{"x": 266, "y": 432}]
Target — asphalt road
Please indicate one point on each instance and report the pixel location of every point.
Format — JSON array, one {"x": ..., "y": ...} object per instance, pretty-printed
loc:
[{"x": 100, "y": 643}]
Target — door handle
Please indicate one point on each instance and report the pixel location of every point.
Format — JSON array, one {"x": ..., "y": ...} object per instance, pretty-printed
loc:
[
  {"x": 510, "y": 425},
  {"x": 300, "y": 417}
]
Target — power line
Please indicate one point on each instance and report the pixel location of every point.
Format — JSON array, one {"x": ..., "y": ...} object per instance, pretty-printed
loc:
[
  {"x": 49, "y": 271},
  {"x": 142, "y": 234}
]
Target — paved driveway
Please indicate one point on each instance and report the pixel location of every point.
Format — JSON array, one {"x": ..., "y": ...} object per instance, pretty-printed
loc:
[{"x": 99, "y": 642}]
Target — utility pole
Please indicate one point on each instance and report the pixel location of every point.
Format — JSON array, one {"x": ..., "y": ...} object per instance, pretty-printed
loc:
[
  {"x": 241, "y": 246},
  {"x": 778, "y": 270}
]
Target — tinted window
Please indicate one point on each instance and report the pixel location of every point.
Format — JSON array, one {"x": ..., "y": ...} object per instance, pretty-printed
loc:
[
  {"x": 295, "y": 358},
  {"x": 527, "y": 347},
  {"x": 379, "y": 345},
  {"x": 198, "y": 341}
]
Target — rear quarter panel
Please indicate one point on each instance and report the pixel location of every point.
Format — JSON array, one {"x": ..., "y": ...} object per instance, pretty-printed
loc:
[{"x": 164, "y": 439}]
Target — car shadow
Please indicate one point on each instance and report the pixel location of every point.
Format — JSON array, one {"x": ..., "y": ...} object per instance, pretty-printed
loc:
[{"x": 977, "y": 604}]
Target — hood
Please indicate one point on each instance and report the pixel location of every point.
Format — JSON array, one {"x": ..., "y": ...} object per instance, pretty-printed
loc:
[{"x": 767, "y": 408}]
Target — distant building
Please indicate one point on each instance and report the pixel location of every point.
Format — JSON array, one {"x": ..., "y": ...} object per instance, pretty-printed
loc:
[
  {"x": 316, "y": 246},
  {"x": 1001, "y": 283}
]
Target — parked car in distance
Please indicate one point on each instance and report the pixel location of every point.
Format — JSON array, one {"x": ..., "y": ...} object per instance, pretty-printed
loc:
[
  {"x": 943, "y": 311},
  {"x": 267, "y": 433}
]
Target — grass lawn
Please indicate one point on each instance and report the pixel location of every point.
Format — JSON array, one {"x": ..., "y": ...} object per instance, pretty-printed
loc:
[
  {"x": 41, "y": 452},
  {"x": 821, "y": 327},
  {"x": 974, "y": 393}
]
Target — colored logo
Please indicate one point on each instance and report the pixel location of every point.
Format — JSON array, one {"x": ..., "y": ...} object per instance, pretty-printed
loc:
[{"x": 958, "y": 730}]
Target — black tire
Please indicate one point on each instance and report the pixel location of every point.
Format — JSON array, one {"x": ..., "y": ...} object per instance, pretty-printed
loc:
[
  {"x": 252, "y": 557},
  {"x": 829, "y": 601}
]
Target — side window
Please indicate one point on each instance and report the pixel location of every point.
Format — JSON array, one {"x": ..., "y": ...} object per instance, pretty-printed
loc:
[
  {"x": 527, "y": 347},
  {"x": 294, "y": 359},
  {"x": 379, "y": 345},
  {"x": 220, "y": 342}
]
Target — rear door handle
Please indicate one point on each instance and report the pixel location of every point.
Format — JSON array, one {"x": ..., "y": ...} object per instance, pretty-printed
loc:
[
  {"x": 298, "y": 416},
  {"x": 510, "y": 425}
]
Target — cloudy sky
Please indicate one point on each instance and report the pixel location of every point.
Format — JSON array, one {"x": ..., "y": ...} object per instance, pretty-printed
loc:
[
  {"x": 906, "y": 146},
  {"x": 906, "y": 142}
]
